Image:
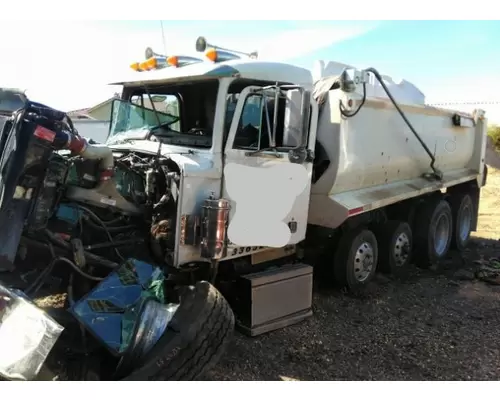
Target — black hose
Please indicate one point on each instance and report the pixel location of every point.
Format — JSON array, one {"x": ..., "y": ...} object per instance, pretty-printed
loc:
[
  {"x": 71, "y": 297},
  {"x": 92, "y": 258},
  {"x": 437, "y": 173},
  {"x": 109, "y": 228},
  {"x": 350, "y": 115},
  {"x": 116, "y": 243},
  {"x": 77, "y": 269},
  {"x": 99, "y": 220},
  {"x": 40, "y": 280},
  {"x": 112, "y": 222},
  {"x": 37, "y": 284}
]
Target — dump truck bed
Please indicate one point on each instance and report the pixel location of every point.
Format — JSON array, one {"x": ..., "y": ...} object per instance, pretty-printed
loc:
[{"x": 375, "y": 159}]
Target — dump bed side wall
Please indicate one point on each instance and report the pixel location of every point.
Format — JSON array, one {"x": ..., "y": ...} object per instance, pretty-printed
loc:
[
  {"x": 375, "y": 160},
  {"x": 376, "y": 147}
]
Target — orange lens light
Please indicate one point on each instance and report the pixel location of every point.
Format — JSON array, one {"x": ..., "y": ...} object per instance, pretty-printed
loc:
[
  {"x": 135, "y": 66},
  {"x": 173, "y": 61},
  {"x": 211, "y": 54},
  {"x": 150, "y": 63}
]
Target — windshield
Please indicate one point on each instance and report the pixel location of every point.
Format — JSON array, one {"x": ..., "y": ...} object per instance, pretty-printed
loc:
[
  {"x": 185, "y": 114},
  {"x": 128, "y": 117}
]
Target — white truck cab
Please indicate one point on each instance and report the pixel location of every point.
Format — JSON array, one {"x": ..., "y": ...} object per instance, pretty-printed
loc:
[{"x": 214, "y": 125}]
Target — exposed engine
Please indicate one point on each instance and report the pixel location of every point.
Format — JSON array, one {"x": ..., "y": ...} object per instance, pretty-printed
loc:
[
  {"x": 106, "y": 207},
  {"x": 130, "y": 205}
]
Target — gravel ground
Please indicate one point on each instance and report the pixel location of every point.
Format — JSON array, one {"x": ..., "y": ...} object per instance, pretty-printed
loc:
[{"x": 438, "y": 324}]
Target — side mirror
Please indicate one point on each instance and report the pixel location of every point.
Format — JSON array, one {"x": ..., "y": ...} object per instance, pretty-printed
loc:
[{"x": 298, "y": 102}]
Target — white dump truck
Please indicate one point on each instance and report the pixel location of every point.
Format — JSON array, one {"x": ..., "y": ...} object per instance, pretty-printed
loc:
[
  {"x": 332, "y": 166},
  {"x": 244, "y": 175}
]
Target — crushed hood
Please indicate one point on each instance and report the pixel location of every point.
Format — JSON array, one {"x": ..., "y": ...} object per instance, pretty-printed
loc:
[{"x": 190, "y": 161}]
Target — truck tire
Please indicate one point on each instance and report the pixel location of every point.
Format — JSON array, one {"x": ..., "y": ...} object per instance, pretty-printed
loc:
[
  {"x": 198, "y": 334},
  {"x": 433, "y": 232},
  {"x": 462, "y": 208},
  {"x": 395, "y": 245},
  {"x": 356, "y": 258}
]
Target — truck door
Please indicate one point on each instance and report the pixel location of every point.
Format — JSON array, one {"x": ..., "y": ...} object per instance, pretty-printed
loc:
[{"x": 268, "y": 166}]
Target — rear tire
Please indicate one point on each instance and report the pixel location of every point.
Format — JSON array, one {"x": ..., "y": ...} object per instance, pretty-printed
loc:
[
  {"x": 433, "y": 232},
  {"x": 198, "y": 334},
  {"x": 462, "y": 208},
  {"x": 356, "y": 258},
  {"x": 395, "y": 243}
]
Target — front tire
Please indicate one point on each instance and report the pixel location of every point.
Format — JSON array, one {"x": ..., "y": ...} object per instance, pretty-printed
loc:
[
  {"x": 197, "y": 336},
  {"x": 356, "y": 259}
]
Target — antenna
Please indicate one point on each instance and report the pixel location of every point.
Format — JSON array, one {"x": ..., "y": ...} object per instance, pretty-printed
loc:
[{"x": 163, "y": 37}]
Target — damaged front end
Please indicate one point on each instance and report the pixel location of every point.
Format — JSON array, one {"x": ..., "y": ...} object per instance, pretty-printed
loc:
[{"x": 85, "y": 291}]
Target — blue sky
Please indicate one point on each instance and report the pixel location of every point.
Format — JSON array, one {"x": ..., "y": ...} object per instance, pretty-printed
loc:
[
  {"x": 426, "y": 52},
  {"x": 432, "y": 54},
  {"x": 447, "y": 60}
]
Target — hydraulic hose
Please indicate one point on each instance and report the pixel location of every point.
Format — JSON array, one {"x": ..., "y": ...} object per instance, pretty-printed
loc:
[{"x": 437, "y": 174}]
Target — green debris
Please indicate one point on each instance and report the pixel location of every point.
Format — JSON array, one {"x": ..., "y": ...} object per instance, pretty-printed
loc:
[{"x": 155, "y": 289}]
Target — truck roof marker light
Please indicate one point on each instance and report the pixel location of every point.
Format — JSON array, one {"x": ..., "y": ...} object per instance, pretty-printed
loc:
[
  {"x": 211, "y": 54},
  {"x": 150, "y": 64},
  {"x": 180, "y": 61},
  {"x": 218, "y": 55},
  {"x": 135, "y": 66},
  {"x": 173, "y": 61}
]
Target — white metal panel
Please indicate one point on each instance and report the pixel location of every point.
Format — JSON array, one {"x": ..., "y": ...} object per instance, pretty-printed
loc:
[{"x": 375, "y": 159}]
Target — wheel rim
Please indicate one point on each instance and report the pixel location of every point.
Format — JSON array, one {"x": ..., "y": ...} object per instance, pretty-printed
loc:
[
  {"x": 401, "y": 249},
  {"x": 465, "y": 223},
  {"x": 441, "y": 238},
  {"x": 363, "y": 262}
]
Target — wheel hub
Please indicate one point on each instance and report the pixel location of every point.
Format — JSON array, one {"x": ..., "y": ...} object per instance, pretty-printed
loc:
[
  {"x": 401, "y": 249},
  {"x": 363, "y": 262}
]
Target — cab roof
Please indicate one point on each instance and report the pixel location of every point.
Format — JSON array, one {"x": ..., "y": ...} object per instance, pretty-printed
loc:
[{"x": 245, "y": 69}]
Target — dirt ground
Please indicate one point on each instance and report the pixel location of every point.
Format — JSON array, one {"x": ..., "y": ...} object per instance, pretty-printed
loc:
[{"x": 439, "y": 324}]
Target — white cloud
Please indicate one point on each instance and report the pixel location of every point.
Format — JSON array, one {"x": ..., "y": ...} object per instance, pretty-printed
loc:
[{"x": 69, "y": 63}]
